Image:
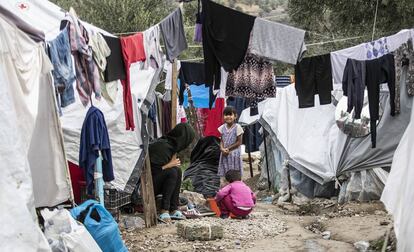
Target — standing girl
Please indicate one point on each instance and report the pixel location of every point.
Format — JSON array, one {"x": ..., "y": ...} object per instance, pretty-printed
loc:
[{"x": 231, "y": 139}]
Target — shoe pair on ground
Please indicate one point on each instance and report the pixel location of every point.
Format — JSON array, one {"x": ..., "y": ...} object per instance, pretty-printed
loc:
[{"x": 167, "y": 217}]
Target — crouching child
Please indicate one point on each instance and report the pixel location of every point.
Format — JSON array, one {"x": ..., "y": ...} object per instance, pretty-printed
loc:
[{"x": 235, "y": 198}]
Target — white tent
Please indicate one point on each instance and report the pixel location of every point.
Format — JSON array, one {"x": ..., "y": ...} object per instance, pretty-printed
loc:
[
  {"x": 33, "y": 150},
  {"x": 126, "y": 146},
  {"x": 398, "y": 194}
]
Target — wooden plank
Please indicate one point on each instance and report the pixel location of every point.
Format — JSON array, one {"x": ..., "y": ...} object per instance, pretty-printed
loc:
[
  {"x": 148, "y": 198},
  {"x": 174, "y": 94}
]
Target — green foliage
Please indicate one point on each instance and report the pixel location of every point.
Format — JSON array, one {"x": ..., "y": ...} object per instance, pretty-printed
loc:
[
  {"x": 334, "y": 19},
  {"x": 119, "y": 16}
]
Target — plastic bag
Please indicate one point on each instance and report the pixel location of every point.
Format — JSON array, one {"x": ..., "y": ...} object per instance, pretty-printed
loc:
[
  {"x": 362, "y": 186},
  {"x": 64, "y": 234},
  {"x": 101, "y": 225}
]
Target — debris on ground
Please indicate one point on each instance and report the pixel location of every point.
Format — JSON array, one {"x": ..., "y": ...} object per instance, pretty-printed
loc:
[{"x": 361, "y": 246}]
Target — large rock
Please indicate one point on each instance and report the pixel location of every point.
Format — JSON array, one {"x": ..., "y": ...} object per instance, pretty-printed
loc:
[{"x": 199, "y": 231}]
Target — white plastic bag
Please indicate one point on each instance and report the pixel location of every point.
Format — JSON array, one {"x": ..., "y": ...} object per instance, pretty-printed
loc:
[{"x": 64, "y": 234}]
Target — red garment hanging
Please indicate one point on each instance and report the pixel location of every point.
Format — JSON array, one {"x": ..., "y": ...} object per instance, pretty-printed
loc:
[
  {"x": 77, "y": 177},
  {"x": 132, "y": 52},
  {"x": 215, "y": 119}
]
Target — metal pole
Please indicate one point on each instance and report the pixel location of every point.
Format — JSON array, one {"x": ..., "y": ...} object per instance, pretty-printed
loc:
[
  {"x": 267, "y": 162},
  {"x": 248, "y": 151}
]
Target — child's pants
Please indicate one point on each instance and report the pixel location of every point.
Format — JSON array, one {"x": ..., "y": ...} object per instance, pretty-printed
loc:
[{"x": 226, "y": 207}]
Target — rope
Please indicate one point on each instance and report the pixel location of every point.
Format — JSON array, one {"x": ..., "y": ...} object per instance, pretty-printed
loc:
[{"x": 375, "y": 22}]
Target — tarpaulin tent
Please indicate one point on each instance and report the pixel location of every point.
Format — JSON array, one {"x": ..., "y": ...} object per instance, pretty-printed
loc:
[
  {"x": 314, "y": 144},
  {"x": 33, "y": 150},
  {"x": 398, "y": 193},
  {"x": 126, "y": 146}
]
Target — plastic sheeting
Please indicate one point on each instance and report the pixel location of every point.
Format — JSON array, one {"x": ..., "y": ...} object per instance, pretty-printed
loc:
[
  {"x": 314, "y": 144},
  {"x": 398, "y": 193},
  {"x": 302, "y": 133}
]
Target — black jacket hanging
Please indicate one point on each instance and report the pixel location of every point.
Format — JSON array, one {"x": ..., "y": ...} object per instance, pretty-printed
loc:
[{"x": 226, "y": 34}]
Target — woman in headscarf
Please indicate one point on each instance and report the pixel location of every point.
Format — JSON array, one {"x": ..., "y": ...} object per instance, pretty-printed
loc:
[{"x": 165, "y": 168}]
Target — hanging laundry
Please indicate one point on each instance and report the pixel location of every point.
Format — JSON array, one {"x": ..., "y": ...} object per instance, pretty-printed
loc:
[
  {"x": 168, "y": 73},
  {"x": 152, "y": 47},
  {"x": 63, "y": 74},
  {"x": 132, "y": 51},
  {"x": 381, "y": 70},
  {"x": 275, "y": 41},
  {"x": 404, "y": 71},
  {"x": 198, "y": 32},
  {"x": 166, "y": 108},
  {"x": 313, "y": 76},
  {"x": 254, "y": 78},
  {"x": 94, "y": 139},
  {"x": 353, "y": 85},
  {"x": 223, "y": 83},
  {"x": 365, "y": 52},
  {"x": 215, "y": 119},
  {"x": 181, "y": 115},
  {"x": 101, "y": 52},
  {"x": 377, "y": 48},
  {"x": 173, "y": 34},
  {"x": 115, "y": 69},
  {"x": 202, "y": 115},
  {"x": 87, "y": 75},
  {"x": 226, "y": 35}
]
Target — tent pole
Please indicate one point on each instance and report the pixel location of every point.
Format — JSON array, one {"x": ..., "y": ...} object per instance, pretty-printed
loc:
[
  {"x": 267, "y": 162},
  {"x": 248, "y": 152},
  {"x": 147, "y": 192}
]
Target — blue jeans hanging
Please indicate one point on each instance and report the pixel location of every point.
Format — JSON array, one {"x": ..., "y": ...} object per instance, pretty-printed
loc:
[{"x": 63, "y": 73}]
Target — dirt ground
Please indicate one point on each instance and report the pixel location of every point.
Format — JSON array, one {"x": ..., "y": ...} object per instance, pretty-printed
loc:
[{"x": 280, "y": 228}]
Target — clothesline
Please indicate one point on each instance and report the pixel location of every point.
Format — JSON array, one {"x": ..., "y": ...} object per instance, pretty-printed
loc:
[{"x": 188, "y": 27}]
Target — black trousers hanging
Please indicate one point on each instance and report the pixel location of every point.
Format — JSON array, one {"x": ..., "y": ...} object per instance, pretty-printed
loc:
[
  {"x": 381, "y": 70},
  {"x": 168, "y": 183}
]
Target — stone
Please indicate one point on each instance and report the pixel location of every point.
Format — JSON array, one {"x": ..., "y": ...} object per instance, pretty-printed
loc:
[
  {"x": 199, "y": 231},
  {"x": 326, "y": 235},
  {"x": 361, "y": 246}
]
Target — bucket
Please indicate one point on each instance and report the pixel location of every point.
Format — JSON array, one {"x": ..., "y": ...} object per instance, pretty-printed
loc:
[{"x": 213, "y": 206}]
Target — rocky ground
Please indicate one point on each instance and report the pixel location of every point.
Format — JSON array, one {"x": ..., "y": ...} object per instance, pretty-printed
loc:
[
  {"x": 321, "y": 225},
  {"x": 316, "y": 225}
]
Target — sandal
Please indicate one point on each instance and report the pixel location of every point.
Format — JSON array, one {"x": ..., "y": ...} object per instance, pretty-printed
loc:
[
  {"x": 177, "y": 215},
  {"x": 192, "y": 214},
  {"x": 164, "y": 218}
]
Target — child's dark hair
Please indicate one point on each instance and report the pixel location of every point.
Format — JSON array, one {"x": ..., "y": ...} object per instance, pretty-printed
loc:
[
  {"x": 229, "y": 110},
  {"x": 233, "y": 175}
]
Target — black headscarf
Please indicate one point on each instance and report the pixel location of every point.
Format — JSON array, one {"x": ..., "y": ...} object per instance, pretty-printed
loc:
[{"x": 162, "y": 150}]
